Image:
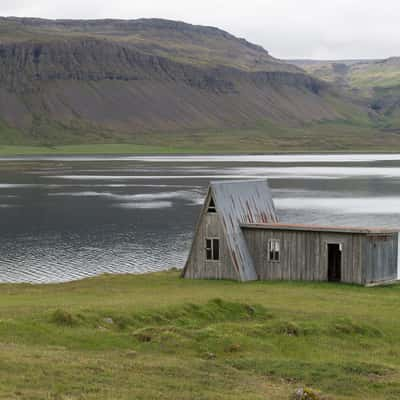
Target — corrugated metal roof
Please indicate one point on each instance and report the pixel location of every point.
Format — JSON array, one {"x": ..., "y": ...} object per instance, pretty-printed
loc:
[
  {"x": 243, "y": 202},
  {"x": 318, "y": 228}
]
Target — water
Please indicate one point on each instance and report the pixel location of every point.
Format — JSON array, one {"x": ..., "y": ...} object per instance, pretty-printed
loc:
[{"x": 65, "y": 218}]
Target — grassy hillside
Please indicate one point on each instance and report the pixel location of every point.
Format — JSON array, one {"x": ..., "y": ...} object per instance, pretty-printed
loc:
[
  {"x": 356, "y": 74},
  {"x": 384, "y": 73},
  {"x": 157, "y": 336},
  {"x": 375, "y": 83},
  {"x": 357, "y": 134},
  {"x": 153, "y": 85},
  {"x": 157, "y": 83}
]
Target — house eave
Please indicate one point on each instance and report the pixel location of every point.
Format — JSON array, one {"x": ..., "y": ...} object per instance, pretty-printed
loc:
[{"x": 318, "y": 228}]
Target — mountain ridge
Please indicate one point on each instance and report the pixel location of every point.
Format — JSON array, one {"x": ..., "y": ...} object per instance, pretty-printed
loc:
[
  {"x": 157, "y": 32},
  {"x": 156, "y": 81},
  {"x": 375, "y": 82}
]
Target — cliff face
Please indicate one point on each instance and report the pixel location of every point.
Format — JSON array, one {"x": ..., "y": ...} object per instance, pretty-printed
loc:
[
  {"x": 183, "y": 42},
  {"x": 109, "y": 76},
  {"x": 24, "y": 64}
]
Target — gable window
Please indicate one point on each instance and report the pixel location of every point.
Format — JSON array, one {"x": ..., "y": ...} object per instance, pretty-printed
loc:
[
  {"x": 274, "y": 249},
  {"x": 211, "y": 206},
  {"x": 212, "y": 249}
]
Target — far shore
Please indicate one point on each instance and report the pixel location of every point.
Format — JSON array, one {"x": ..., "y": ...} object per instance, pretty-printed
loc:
[{"x": 7, "y": 151}]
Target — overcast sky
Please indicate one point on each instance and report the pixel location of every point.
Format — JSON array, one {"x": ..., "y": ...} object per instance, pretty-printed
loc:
[{"x": 323, "y": 29}]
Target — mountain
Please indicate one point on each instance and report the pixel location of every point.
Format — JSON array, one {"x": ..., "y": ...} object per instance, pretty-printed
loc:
[
  {"x": 157, "y": 82},
  {"x": 376, "y": 83},
  {"x": 355, "y": 74},
  {"x": 177, "y": 41}
]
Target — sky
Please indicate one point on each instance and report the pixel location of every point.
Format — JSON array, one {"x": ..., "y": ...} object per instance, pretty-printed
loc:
[{"x": 317, "y": 29}]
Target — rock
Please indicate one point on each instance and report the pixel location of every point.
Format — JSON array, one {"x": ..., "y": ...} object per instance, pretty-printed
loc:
[
  {"x": 210, "y": 356},
  {"x": 305, "y": 394},
  {"x": 108, "y": 320}
]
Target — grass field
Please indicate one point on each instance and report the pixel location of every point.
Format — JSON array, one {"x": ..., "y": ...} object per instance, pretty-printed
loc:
[
  {"x": 354, "y": 135},
  {"x": 160, "y": 337},
  {"x": 112, "y": 148}
]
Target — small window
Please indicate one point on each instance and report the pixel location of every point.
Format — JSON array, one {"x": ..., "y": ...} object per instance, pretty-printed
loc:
[
  {"x": 212, "y": 249},
  {"x": 211, "y": 206},
  {"x": 274, "y": 249}
]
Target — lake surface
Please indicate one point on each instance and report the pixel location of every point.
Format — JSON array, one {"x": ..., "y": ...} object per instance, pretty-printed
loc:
[{"x": 65, "y": 218}]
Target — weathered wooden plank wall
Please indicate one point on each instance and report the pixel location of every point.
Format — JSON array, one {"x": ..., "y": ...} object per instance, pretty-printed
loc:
[
  {"x": 198, "y": 267},
  {"x": 380, "y": 258},
  {"x": 366, "y": 257},
  {"x": 304, "y": 254}
]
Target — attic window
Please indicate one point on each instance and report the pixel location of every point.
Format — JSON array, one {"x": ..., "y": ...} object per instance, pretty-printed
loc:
[
  {"x": 274, "y": 250},
  {"x": 211, "y": 206},
  {"x": 212, "y": 249}
]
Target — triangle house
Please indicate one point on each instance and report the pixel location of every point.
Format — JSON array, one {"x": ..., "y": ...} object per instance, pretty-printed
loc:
[{"x": 239, "y": 237}]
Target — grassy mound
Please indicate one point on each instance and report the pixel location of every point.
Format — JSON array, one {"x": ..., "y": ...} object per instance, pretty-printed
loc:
[{"x": 158, "y": 336}]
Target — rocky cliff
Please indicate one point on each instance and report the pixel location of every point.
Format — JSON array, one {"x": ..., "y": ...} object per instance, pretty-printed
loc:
[{"x": 131, "y": 77}]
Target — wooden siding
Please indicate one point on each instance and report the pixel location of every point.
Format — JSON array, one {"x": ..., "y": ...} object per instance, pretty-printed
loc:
[
  {"x": 198, "y": 267},
  {"x": 380, "y": 258},
  {"x": 367, "y": 256},
  {"x": 304, "y": 255}
]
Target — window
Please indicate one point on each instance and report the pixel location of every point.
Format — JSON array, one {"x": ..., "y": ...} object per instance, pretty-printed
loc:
[
  {"x": 211, "y": 206},
  {"x": 274, "y": 249},
  {"x": 212, "y": 249}
]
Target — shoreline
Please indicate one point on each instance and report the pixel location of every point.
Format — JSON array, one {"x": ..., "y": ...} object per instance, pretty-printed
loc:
[
  {"x": 102, "y": 276},
  {"x": 9, "y": 152}
]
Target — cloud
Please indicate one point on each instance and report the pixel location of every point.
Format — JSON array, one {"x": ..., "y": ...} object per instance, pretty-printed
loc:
[{"x": 287, "y": 28}]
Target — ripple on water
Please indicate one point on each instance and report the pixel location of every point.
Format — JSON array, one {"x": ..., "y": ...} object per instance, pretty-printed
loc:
[{"x": 55, "y": 263}]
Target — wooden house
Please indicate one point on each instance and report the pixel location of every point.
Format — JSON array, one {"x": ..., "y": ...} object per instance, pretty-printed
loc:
[{"x": 239, "y": 237}]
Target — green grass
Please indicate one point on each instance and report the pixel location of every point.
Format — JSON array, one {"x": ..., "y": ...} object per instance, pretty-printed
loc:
[
  {"x": 360, "y": 75},
  {"x": 375, "y": 76},
  {"x": 158, "y": 336},
  {"x": 356, "y": 133},
  {"x": 111, "y": 148}
]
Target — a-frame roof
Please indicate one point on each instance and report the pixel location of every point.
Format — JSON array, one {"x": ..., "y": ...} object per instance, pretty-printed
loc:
[
  {"x": 238, "y": 203},
  {"x": 242, "y": 202}
]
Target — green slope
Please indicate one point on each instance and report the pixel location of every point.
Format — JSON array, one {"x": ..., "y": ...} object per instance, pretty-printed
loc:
[
  {"x": 157, "y": 336},
  {"x": 360, "y": 75},
  {"x": 164, "y": 84},
  {"x": 375, "y": 83}
]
